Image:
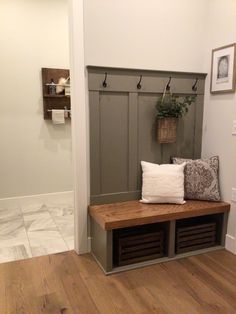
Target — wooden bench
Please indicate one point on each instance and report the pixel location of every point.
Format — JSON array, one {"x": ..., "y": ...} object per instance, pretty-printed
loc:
[{"x": 131, "y": 234}]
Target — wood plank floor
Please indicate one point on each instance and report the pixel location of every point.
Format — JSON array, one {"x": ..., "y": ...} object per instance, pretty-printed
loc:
[{"x": 67, "y": 283}]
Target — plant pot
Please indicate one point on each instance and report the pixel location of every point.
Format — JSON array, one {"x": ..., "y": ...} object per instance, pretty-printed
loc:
[{"x": 166, "y": 130}]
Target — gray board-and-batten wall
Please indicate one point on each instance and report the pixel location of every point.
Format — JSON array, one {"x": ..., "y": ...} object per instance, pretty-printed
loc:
[{"x": 123, "y": 127}]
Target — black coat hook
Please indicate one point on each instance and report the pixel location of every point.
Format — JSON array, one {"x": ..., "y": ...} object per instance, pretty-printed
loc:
[
  {"x": 139, "y": 83},
  {"x": 168, "y": 84},
  {"x": 194, "y": 87},
  {"x": 104, "y": 84}
]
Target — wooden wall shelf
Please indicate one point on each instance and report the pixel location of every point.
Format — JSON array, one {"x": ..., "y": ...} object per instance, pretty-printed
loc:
[{"x": 58, "y": 101}]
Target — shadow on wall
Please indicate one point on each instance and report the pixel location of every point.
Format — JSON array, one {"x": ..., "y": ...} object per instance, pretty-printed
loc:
[{"x": 56, "y": 137}]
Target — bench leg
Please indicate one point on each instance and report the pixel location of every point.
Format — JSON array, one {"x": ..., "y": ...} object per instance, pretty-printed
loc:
[
  {"x": 171, "y": 239},
  {"x": 101, "y": 246},
  {"x": 224, "y": 228}
]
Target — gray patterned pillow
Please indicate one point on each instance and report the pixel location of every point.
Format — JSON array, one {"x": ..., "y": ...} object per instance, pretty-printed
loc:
[{"x": 201, "y": 178}]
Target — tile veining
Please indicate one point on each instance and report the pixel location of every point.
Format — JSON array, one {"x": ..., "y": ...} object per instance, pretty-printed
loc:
[{"x": 35, "y": 229}]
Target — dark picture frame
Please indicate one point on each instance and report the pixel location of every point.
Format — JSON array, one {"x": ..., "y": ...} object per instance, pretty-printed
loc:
[{"x": 223, "y": 69}]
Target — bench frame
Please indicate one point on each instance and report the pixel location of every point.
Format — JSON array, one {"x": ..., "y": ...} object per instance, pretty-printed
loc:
[{"x": 102, "y": 243}]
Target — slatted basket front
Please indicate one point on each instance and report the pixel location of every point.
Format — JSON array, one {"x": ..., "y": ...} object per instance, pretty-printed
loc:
[
  {"x": 138, "y": 244},
  {"x": 198, "y": 234}
]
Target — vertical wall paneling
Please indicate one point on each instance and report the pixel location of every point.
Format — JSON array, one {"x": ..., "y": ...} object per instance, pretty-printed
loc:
[
  {"x": 198, "y": 126},
  {"x": 114, "y": 142},
  {"x": 148, "y": 148},
  {"x": 94, "y": 121},
  {"x": 123, "y": 128},
  {"x": 133, "y": 142}
]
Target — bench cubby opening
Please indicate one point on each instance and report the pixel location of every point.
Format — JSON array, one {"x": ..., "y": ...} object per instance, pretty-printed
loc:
[
  {"x": 139, "y": 243},
  {"x": 198, "y": 233}
]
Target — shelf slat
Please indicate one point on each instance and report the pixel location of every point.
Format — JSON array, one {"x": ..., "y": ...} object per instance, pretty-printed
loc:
[{"x": 56, "y": 96}]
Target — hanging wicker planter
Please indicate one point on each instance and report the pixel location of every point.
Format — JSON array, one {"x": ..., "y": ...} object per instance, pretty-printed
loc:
[{"x": 166, "y": 130}]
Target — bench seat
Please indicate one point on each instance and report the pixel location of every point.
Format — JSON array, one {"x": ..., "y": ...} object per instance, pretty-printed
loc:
[
  {"x": 131, "y": 234},
  {"x": 134, "y": 213}
]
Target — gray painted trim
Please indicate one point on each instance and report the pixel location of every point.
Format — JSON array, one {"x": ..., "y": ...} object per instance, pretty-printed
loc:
[
  {"x": 224, "y": 228},
  {"x": 150, "y": 91},
  {"x": 115, "y": 197},
  {"x": 101, "y": 245},
  {"x": 120, "y": 69},
  {"x": 133, "y": 141},
  {"x": 171, "y": 238},
  {"x": 155, "y": 86},
  {"x": 198, "y": 127},
  {"x": 152, "y": 81},
  {"x": 95, "y": 163},
  {"x": 158, "y": 261}
]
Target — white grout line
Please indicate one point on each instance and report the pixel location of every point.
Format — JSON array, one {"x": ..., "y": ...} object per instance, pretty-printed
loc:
[
  {"x": 29, "y": 249},
  {"x": 16, "y": 259},
  {"x": 58, "y": 228},
  {"x": 26, "y": 231}
]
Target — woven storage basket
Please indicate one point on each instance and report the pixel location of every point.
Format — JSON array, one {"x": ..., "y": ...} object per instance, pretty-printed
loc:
[{"x": 166, "y": 130}]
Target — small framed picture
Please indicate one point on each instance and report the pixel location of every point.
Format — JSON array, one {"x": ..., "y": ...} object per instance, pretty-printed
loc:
[{"x": 223, "y": 69}]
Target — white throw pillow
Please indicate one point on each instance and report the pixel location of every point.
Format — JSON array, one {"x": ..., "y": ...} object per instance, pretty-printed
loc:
[{"x": 162, "y": 183}]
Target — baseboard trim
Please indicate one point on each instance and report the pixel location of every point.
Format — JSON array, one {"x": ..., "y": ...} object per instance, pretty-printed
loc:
[
  {"x": 89, "y": 244},
  {"x": 230, "y": 244},
  {"x": 38, "y": 198}
]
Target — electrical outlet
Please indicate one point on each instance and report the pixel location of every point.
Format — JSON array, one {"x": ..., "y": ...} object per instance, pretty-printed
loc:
[
  {"x": 234, "y": 128},
  {"x": 233, "y": 197}
]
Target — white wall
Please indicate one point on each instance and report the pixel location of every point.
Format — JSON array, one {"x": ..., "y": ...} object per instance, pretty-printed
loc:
[
  {"x": 177, "y": 36},
  {"x": 35, "y": 156},
  {"x": 220, "y": 110},
  {"x": 153, "y": 34}
]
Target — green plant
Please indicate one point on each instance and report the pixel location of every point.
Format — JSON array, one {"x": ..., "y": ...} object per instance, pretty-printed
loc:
[{"x": 173, "y": 105}]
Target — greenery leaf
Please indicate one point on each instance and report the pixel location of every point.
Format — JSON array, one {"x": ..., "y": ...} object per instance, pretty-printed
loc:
[{"x": 173, "y": 105}]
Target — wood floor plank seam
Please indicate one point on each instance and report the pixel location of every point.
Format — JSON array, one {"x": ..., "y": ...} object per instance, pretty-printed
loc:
[
  {"x": 212, "y": 283},
  {"x": 71, "y": 284}
]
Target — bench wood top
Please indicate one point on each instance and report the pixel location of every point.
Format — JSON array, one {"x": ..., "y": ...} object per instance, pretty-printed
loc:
[{"x": 134, "y": 213}]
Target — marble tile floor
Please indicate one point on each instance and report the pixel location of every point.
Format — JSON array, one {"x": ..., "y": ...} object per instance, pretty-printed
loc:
[{"x": 34, "y": 230}]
